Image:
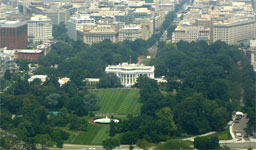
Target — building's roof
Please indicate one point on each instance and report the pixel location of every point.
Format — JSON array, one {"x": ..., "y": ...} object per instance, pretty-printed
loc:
[
  {"x": 132, "y": 28},
  {"x": 29, "y": 51},
  {"x": 41, "y": 77},
  {"x": 125, "y": 67},
  {"x": 63, "y": 81},
  {"x": 92, "y": 79},
  {"x": 11, "y": 24},
  {"x": 39, "y": 18}
]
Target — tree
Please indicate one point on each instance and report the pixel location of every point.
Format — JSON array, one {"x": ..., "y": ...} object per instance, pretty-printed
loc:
[
  {"x": 21, "y": 87},
  {"x": 44, "y": 140},
  {"x": 144, "y": 144},
  {"x": 195, "y": 119},
  {"x": 59, "y": 136},
  {"x": 175, "y": 145},
  {"x": 7, "y": 75},
  {"x": 42, "y": 114},
  {"x": 208, "y": 142},
  {"x": 78, "y": 124},
  {"x": 77, "y": 77},
  {"x": 53, "y": 101},
  {"x": 112, "y": 128},
  {"x": 220, "y": 117},
  {"x": 129, "y": 138},
  {"x": 109, "y": 80},
  {"x": 111, "y": 143},
  {"x": 9, "y": 142},
  {"x": 165, "y": 120},
  {"x": 90, "y": 101},
  {"x": 59, "y": 30},
  {"x": 219, "y": 89}
]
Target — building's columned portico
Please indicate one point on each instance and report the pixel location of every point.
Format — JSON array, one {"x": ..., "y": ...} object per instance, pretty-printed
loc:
[{"x": 128, "y": 73}]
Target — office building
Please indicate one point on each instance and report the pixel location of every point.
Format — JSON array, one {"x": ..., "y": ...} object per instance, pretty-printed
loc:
[
  {"x": 39, "y": 29},
  {"x": 129, "y": 33},
  {"x": 77, "y": 23},
  {"x": 13, "y": 34},
  {"x": 252, "y": 53},
  {"x": 234, "y": 31},
  {"x": 191, "y": 33},
  {"x": 100, "y": 33},
  {"x": 128, "y": 73},
  {"x": 57, "y": 15}
]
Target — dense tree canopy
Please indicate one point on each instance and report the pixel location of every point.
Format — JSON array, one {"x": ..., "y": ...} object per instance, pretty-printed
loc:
[{"x": 208, "y": 84}]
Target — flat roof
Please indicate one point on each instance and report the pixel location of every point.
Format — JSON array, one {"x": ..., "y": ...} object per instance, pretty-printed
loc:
[
  {"x": 29, "y": 51},
  {"x": 12, "y": 24}
]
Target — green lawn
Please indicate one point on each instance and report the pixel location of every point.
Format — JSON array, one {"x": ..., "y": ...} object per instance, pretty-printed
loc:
[
  {"x": 119, "y": 101},
  {"x": 225, "y": 135},
  {"x": 94, "y": 135}
]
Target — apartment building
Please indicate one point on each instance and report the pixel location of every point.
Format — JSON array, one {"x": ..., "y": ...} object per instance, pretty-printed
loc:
[{"x": 39, "y": 29}]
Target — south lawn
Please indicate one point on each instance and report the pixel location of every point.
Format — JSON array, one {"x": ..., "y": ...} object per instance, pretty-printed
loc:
[{"x": 114, "y": 101}]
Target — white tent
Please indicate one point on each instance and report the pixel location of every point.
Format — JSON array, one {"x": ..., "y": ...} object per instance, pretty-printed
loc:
[{"x": 239, "y": 113}]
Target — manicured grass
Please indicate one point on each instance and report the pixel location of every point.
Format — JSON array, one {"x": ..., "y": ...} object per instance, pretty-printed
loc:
[
  {"x": 94, "y": 135},
  {"x": 225, "y": 135},
  {"x": 119, "y": 101}
]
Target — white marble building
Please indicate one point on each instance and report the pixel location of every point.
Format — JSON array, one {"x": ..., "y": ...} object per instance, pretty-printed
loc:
[{"x": 128, "y": 73}]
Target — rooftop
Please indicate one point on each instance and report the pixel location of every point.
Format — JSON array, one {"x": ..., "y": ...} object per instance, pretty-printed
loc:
[{"x": 11, "y": 24}]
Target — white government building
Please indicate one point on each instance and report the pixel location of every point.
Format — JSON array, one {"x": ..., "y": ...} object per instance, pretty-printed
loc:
[{"x": 128, "y": 73}]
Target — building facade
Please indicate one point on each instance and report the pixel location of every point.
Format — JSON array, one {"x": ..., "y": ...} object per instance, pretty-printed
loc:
[
  {"x": 77, "y": 23},
  {"x": 129, "y": 33},
  {"x": 39, "y": 29},
  {"x": 7, "y": 62},
  {"x": 191, "y": 33},
  {"x": 58, "y": 16},
  {"x": 234, "y": 31},
  {"x": 128, "y": 73},
  {"x": 13, "y": 34},
  {"x": 28, "y": 54},
  {"x": 100, "y": 33}
]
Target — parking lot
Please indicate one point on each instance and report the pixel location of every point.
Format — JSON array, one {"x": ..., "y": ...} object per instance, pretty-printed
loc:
[{"x": 239, "y": 128}]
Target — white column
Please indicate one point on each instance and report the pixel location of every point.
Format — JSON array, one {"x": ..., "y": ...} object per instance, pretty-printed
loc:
[
  {"x": 125, "y": 78},
  {"x": 252, "y": 58},
  {"x": 129, "y": 75},
  {"x": 134, "y": 78}
]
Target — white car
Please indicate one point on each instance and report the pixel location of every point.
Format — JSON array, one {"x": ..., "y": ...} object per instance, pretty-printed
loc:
[{"x": 239, "y": 136}]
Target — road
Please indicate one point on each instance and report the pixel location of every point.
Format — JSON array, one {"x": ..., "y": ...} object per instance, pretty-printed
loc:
[
  {"x": 240, "y": 126},
  {"x": 91, "y": 147},
  {"x": 238, "y": 144}
]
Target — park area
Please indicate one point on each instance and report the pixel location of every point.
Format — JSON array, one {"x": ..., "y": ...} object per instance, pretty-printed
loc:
[{"x": 120, "y": 102}]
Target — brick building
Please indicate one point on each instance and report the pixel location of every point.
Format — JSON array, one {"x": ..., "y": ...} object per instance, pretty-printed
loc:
[
  {"x": 28, "y": 54},
  {"x": 13, "y": 34}
]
